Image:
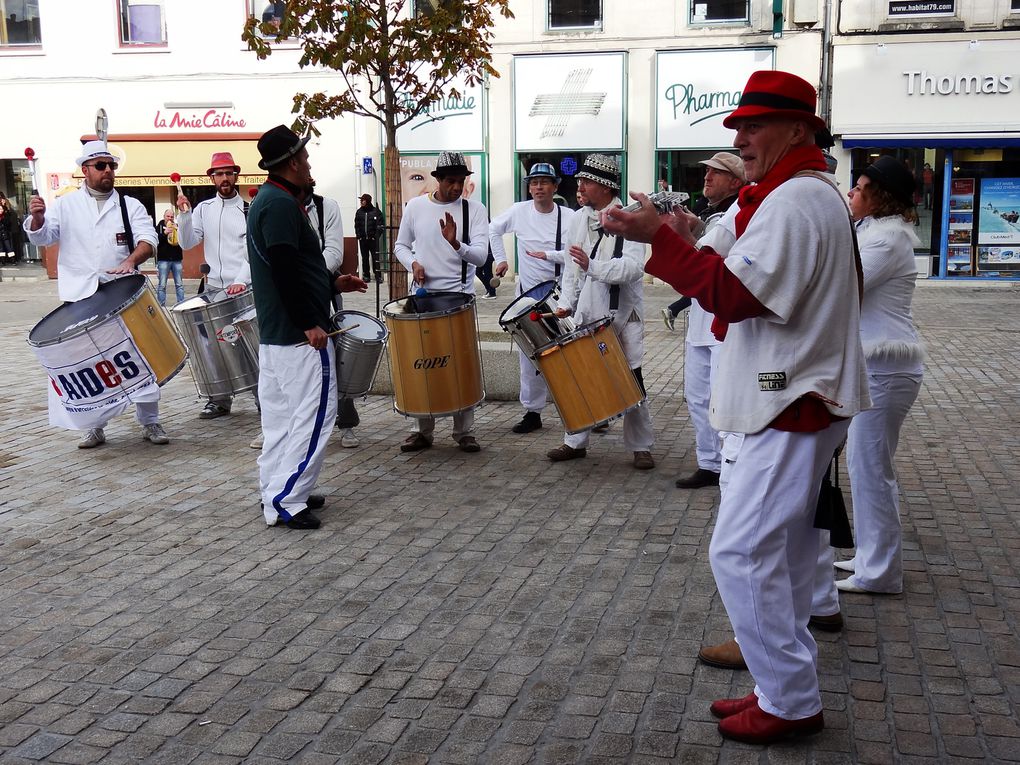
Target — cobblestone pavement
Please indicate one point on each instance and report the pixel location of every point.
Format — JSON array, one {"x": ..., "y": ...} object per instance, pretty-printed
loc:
[{"x": 488, "y": 608}]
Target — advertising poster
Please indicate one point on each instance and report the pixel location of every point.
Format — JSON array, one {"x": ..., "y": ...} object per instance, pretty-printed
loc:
[
  {"x": 999, "y": 217},
  {"x": 416, "y": 176}
]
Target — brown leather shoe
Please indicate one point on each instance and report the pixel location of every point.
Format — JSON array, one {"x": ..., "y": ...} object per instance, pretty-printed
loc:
[
  {"x": 469, "y": 444},
  {"x": 415, "y": 443},
  {"x": 563, "y": 452},
  {"x": 643, "y": 460},
  {"x": 831, "y": 623},
  {"x": 725, "y": 655},
  {"x": 729, "y": 707},
  {"x": 756, "y": 726}
]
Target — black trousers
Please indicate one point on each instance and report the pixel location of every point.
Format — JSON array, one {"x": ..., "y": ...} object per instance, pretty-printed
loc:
[
  {"x": 485, "y": 274},
  {"x": 369, "y": 257}
]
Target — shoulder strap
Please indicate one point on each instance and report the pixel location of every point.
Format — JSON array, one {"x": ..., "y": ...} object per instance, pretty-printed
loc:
[
  {"x": 244, "y": 209},
  {"x": 127, "y": 223},
  {"x": 853, "y": 228},
  {"x": 559, "y": 239},
  {"x": 465, "y": 238},
  {"x": 317, "y": 201},
  {"x": 614, "y": 289}
]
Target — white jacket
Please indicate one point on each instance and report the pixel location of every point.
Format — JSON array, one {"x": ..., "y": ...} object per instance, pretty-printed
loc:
[
  {"x": 222, "y": 225},
  {"x": 332, "y": 240},
  {"x": 91, "y": 240},
  {"x": 890, "y": 340}
]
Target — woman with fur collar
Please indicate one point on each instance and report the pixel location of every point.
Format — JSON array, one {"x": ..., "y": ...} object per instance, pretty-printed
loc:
[{"x": 882, "y": 204}]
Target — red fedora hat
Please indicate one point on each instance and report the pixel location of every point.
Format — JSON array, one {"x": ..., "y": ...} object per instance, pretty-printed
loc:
[
  {"x": 220, "y": 160},
  {"x": 777, "y": 94}
]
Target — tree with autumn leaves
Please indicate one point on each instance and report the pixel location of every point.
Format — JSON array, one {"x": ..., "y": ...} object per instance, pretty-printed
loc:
[{"x": 395, "y": 57}]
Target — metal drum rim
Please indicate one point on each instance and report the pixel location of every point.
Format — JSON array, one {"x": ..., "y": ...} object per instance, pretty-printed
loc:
[
  {"x": 82, "y": 329},
  {"x": 503, "y": 322},
  {"x": 585, "y": 329},
  {"x": 208, "y": 303},
  {"x": 470, "y": 303}
]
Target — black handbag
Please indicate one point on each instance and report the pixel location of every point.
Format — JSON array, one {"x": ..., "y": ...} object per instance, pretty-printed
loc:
[{"x": 831, "y": 515}]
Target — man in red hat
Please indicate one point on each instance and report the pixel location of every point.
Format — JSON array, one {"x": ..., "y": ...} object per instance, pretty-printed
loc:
[
  {"x": 786, "y": 301},
  {"x": 221, "y": 223}
]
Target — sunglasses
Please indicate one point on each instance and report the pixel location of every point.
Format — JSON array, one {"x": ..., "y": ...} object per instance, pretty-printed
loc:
[{"x": 102, "y": 165}]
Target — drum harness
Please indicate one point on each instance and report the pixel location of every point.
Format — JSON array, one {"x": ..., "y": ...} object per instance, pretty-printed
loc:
[{"x": 614, "y": 289}]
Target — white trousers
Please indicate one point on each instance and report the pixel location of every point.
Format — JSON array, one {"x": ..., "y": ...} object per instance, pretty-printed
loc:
[
  {"x": 871, "y": 451},
  {"x": 765, "y": 556},
  {"x": 534, "y": 391},
  {"x": 463, "y": 425},
  {"x": 700, "y": 364},
  {"x": 297, "y": 390}
]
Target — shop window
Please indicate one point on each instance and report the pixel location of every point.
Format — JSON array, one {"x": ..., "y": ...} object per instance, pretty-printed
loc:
[
  {"x": 575, "y": 14},
  {"x": 270, "y": 13},
  {"x": 1014, "y": 6},
  {"x": 718, "y": 11},
  {"x": 19, "y": 23},
  {"x": 142, "y": 22},
  {"x": 428, "y": 7}
]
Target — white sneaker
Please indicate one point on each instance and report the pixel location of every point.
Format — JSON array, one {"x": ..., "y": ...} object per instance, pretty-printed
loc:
[
  {"x": 90, "y": 439},
  {"x": 256, "y": 443},
  {"x": 155, "y": 434},
  {"x": 844, "y": 565},
  {"x": 348, "y": 440}
]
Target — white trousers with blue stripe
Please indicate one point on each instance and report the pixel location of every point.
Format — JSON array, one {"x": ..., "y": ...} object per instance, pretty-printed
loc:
[{"x": 297, "y": 390}]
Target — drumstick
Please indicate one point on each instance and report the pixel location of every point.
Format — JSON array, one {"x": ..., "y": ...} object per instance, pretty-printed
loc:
[
  {"x": 536, "y": 316},
  {"x": 30, "y": 156},
  {"x": 175, "y": 178},
  {"x": 335, "y": 333}
]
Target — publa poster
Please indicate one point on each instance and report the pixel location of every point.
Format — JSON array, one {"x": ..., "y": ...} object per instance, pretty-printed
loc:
[{"x": 416, "y": 177}]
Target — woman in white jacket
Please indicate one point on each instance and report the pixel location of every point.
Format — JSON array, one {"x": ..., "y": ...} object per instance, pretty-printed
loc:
[{"x": 882, "y": 204}]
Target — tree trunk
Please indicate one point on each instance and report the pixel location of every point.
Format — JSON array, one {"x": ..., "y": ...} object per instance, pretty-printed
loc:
[{"x": 394, "y": 212}]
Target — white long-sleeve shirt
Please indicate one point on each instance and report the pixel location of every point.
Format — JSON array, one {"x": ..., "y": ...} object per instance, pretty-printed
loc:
[
  {"x": 332, "y": 239},
  {"x": 221, "y": 224},
  {"x": 421, "y": 239},
  {"x": 536, "y": 231},
  {"x": 91, "y": 239}
]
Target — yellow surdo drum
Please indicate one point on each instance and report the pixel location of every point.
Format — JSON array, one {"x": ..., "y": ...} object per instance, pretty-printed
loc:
[{"x": 435, "y": 360}]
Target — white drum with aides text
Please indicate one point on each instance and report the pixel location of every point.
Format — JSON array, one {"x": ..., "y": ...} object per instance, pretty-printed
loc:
[{"x": 359, "y": 351}]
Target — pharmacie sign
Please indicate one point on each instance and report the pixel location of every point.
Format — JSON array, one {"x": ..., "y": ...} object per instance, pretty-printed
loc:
[
  {"x": 695, "y": 90},
  {"x": 455, "y": 120}
]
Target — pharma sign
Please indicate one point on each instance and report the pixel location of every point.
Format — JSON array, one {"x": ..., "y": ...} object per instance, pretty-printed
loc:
[
  {"x": 695, "y": 90},
  {"x": 454, "y": 122}
]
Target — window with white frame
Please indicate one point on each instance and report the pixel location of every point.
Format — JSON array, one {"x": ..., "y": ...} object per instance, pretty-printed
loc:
[
  {"x": 142, "y": 22},
  {"x": 19, "y": 23},
  {"x": 575, "y": 14},
  {"x": 267, "y": 12},
  {"x": 718, "y": 11},
  {"x": 1014, "y": 6}
]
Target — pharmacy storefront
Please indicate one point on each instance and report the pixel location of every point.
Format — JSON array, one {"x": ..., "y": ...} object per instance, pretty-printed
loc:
[
  {"x": 951, "y": 111},
  {"x": 694, "y": 91}
]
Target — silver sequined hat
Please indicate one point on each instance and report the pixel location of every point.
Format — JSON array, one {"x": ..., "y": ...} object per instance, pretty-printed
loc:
[
  {"x": 601, "y": 168},
  {"x": 451, "y": 163}
]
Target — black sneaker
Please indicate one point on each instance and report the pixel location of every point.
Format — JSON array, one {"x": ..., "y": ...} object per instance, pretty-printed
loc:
[
  {"x": 303, "y": 520},
  {"x": 699, "y": 479},
  {"x": 532, "y": 421}
]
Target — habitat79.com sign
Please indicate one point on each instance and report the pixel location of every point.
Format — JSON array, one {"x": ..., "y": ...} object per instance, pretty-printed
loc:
[{"x": 922, "y": 8}]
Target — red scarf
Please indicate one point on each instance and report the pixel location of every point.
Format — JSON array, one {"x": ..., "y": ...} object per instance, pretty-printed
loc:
[
  {"x": 751, "y": 197},
  {"x": 797, "y": 159}
]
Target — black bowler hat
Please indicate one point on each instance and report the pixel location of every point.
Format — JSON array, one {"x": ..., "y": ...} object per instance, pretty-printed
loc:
[
  {"x": 279, "y": 144},
  {"x": 893, "y": 176}
]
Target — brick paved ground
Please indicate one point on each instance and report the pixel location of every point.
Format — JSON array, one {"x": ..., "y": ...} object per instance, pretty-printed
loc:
[{"x": 489, "y": 608}]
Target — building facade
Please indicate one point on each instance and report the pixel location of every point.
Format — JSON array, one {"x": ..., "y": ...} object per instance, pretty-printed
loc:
[{"x": 935, "y": 83}]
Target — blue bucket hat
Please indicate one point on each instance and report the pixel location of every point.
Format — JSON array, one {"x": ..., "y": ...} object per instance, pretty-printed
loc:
[{"x": 542, "y": 170}]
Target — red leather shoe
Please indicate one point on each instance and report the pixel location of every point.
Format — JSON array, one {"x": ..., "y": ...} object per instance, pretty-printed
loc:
[
  {"x": 756, "y": 726},
  {"x": 729, "y": 707}
]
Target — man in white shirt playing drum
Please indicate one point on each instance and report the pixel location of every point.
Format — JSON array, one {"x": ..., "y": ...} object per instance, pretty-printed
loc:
[
  {"x": 441, "y": 256},
  {"x": 541, "y": 227},
  {"x": 222, "y": 224},
  {"x": 90, "y": 226}
]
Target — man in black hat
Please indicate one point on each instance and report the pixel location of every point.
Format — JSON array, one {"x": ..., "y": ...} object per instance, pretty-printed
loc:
[
  {"x": 368, "y": 227},
  {"x": 443, "y": 238},
  {"x": 293, "y": 290}
]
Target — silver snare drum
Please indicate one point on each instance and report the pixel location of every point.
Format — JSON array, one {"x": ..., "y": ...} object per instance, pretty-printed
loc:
[
  {"x": 526, "y": 320},
  {"x": 358, "y": 351},
  {"x": 223, "y": 361}
]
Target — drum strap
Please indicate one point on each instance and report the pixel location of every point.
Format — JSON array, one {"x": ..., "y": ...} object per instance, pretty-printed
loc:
[
  {"x": 559, "y": 239},
  {"x": 614, "y": 289},
  {"x": 465, "y": 238},
  {"x": 320, "y": 217},
  {"x": 128, "y": 233}
]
